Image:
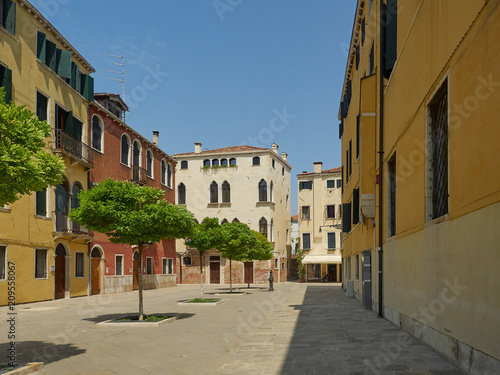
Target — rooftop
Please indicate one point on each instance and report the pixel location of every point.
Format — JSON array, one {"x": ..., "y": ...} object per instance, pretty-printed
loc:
[
  {"x": 326, "y": 171},
  {"x": 226, "y": 150}
]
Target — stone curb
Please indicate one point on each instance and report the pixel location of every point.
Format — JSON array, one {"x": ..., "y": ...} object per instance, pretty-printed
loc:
[
  {"x": 114, "y": 322},
  {"x": 201, "y": 303}
]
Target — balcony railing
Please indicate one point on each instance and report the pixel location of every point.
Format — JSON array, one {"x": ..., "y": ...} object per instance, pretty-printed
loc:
[
  {"x": 73, "y": 148},
  {"x": 65, "y": 225},
  {"x": 139, "y": 175}
]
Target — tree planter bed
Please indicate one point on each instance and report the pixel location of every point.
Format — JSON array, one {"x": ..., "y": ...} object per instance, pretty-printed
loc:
[{"x": 137, "y": 323}]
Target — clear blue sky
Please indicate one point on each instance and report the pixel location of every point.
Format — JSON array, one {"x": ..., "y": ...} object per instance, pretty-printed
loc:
[{"x": 220, "y": 76}]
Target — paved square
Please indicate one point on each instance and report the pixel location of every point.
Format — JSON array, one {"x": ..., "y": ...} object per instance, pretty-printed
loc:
[{"x": 297, "y": 329}]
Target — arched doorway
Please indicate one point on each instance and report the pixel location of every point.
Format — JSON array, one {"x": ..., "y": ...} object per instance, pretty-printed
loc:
[
  {"x": 61, "y": 203},
  {"x": 136, "y": 271},
  {"x": 95, "y": 271},
  {"x": 60, "y": 272}
]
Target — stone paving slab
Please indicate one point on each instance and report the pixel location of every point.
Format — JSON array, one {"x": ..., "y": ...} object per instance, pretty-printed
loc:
[{"x": 297, "y": 329}]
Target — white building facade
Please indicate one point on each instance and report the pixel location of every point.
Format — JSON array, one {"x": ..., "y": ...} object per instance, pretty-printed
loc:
[
  {"x": 319, "y": 204},
  {"x": 242, "y": 183}
]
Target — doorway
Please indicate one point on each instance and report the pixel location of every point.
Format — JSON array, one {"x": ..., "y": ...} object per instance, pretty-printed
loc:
[
  {"x": 332, "y": 272},
  {"x": 60, "y": 272},
  {"x": 248, "y": 274},
  {"x": 95, "y": 271},
  {"x": 215, "y": 269}
]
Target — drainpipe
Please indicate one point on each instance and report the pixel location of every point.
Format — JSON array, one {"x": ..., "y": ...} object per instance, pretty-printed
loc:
[{"x": 381, "y": 157}]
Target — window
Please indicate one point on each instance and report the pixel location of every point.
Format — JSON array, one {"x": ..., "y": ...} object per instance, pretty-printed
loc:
[
  {"x": 235, "y": 220},
  {"x": 339, "y": 183},
  {"x": 223, "y": 162},
  {"x": 184, "y": 164},
  {"x": 357, "y": 57},
  {"x": 438, "y": 132},
  {"x": 271, "y": 192},
  {"x": 136, "y": 154},
  {"x": 41, "y": 202},
  {"x": 330, "y": 184},
  {"x": 391, "y": 36},
  {"x": 371, "y": 64},
  {"x": 363, "y": 29},
  {"x": 226, "y": 192},
  {"x": 181, "y": 194},
  {"x": 276, "y": 261},
  {"x": 149, "y": 266},
  {"x": 274, "y": 164},
  {"x": 97, "y": 133},
  {"x": 206, "y": 163},
  {"x": 42, "y": 105},
  {"x": 215, "y": 162},
  {"x": 263, "y": 226},
  {"x": 350, "y": 157},
  {"x": 3, "y": 261},
  {"x": 167, "y": 266},
  {"x": 346, "y": 217},
  {"x": 125, "y": 149},
  {"x": 163, "y": 171},
  {"x": 224, "y": 221},
  {"x": 331, "y": 240},
  {"x": 305, "y": 212},
  {"x": 232, "y": 161},
  {"x": 306, "y": 241},
  {"x": 282, "y": 171},
  {"x": 271, "y": 226},
  {"x": 214, "y": 192},
  {"x": 330, "y": 211},
  {"x": 262, "y": 191},
  {"x": 187, "y": 261},
  {"x": 8, "y": 15},
  {"x": 283, "y": 265},
  {"x": 169, "y": 175},
  {"x": 40, "y": 263},
  {"x": 6, "y": 82},
  {"x": 149, "y": 164},
  {"x": 79, "y": 264},
  {"x": 357, "y": 266},
  {"x": 357, "y": 135},
  {"x": 391, "y": 191},
  {"x": 118, "y": 265},
  {"x": 305, "y": 185},
  {"x": 256, "y": 160},
  {"x": 355, "y": 206}
]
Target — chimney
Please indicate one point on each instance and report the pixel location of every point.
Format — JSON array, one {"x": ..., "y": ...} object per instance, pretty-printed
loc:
[
  {"x": 284, "y": 155},
  {"x": 197, "y": 148},
  {"x": 275, "y": 148},
  {"x": 156, "y": 134},
  {"x": 318, "y": 166}
]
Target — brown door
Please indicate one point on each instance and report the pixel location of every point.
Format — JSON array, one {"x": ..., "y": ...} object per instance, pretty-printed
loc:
[
  {"x": 136, "y": 274},
  {"x": 95, "y": 275},
  {"x": 248, "y": 272},
  {"x": 60, "y": 276},
  {"x": 214, "y": 272}
]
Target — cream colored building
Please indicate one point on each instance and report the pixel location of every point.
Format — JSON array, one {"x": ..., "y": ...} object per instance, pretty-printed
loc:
[
  {"x": 319, "y": 201},
  {"x": 241, "y": 183}
]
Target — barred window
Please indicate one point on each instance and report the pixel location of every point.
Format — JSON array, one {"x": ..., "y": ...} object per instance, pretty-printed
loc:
[{"x": 40, "y": 264}]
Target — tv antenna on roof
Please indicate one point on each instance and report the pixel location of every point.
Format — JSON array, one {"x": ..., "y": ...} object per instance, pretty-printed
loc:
[{"x": 116, "y": 79}]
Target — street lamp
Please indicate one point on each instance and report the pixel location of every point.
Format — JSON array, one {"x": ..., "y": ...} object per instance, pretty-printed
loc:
[{"x": 336, "y": 226}]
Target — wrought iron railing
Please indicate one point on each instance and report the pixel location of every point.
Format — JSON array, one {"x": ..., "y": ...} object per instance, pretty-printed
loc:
[
  {"x": 65, "y": 225},
  {"x": 73, "y": 147},
  {"x": 139, "y": 174}
]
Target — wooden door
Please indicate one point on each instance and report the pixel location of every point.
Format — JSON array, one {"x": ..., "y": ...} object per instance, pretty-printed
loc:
[
  {"x": 248, "y": 275},
  {"x": 214, "y": 272},
  {"x": 95, "y": 276},
  {"x": 136, "y": 275},
  {"x": 60, "y": 277}
]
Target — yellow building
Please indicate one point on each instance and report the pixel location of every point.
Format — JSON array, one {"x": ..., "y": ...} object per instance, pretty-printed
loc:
[
  {"x": 420, "y": 142},
  {"x": 41, "y": 70}
]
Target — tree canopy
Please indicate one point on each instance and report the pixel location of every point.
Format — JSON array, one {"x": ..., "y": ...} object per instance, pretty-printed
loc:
[{"x": 26, "y": 165}]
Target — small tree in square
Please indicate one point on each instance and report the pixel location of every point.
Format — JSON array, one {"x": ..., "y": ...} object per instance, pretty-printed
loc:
[{"x": 132, "y": 214}]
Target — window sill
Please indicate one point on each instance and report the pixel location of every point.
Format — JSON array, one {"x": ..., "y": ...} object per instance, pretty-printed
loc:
[
  {"x": 43, "y": 217},
  {"x": 265, "y": 203},
  {"x": 9, "y": 33},
  {"x": 125, "y": 165},
  {"x": 96, "y": 150},
  {"x": 438, "y": 220},
  {"x": 3, "y": 209},
  {"x": 41, "y": 278},
  {"x": 225, "y": 204},
  {"x": 213, "y": 205}
]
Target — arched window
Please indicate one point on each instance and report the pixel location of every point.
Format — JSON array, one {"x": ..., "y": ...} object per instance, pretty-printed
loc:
[
  {"x": 262, "y": 191},
  {"x": 224, "y": 221},
  {"x": 61, "y": 205},
  {"x": 206, "y": 163},
  {"x": 263, "y": 226},
  {"x": 75, "y": 203},
  {"x": 226, "y": 192},
  {"x": 214, "y": 192},
  {"x": 235, "y": 220},
  {"x": 97, "y": 133},
  {"x": 271, "y": 192},
  {"x": 136, "y": 155},
  {"x": 271, "y": 226},
  {"x": 163, "y": 171},
  {"x": 256, "y": 160},
  {"x": 215, "y": 162},
  {"x": 125, "y": 150},
  {"x": 149, "y": 163},
  {"x": 169, "y": 175},
  {"x": 181, "y": 194},
  {"x": 223, "y": 162},
  {"x": 184, "y": 164},
  {"x": 232, "y": 161}
]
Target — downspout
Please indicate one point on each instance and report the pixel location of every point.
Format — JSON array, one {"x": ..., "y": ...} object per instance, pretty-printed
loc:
[{"x": 381, "y": 156}]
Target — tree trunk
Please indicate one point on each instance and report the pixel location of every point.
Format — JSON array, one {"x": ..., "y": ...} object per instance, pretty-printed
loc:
[
  {"x": 180, "y": 269},
  {"x": 230, "y": 276},
  {"x": 139, "y": 277},
  {"x": 201, "y": 274}
]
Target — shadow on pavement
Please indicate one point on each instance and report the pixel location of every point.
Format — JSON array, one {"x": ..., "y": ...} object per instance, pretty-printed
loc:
[{"x": 40, "y": 351}]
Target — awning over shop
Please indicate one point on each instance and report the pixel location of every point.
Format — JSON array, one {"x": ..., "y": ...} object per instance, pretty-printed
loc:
[{"x": 318, "y": 259}]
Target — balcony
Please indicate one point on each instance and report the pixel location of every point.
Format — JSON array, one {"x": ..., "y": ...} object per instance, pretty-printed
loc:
[
  {"x": 139, "y": 175},
  {"x": 65, "y": 228},
  {"x": 73, "y": 149}
]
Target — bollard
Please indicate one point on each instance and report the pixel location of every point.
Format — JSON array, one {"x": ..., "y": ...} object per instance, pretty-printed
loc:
[{"x": 271, "y": 279}]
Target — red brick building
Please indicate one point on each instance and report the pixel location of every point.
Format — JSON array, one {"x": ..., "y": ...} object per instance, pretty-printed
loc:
[{"x": 123, "y": 154}]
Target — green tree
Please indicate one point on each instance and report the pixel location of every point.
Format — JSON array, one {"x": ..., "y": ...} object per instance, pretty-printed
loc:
[
  {"x": 300, "y": 266},
  {"x": 132, "y": 214},
  {"x": 206, "y": 236},
  {"x": 262, "y": 251},
  {"x": 25, "y": 164}
]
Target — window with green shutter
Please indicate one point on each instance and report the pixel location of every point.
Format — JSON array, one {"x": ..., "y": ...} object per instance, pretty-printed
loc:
[
  {"x": 41, "y": 46},
  {"x": 346, "y": 217},
  {"x": 41, "y": 202},
  {"x": 391, "y": 36},
  {"x": 355, "y": 206},
  {"x": 6, "y": 82},
  {"x": 50, "y": 54},
  {"x": 87, "y": 86},
  {"x": 41, "y": 106},
  {"x": 8, "y": 15},
  {"x": 330, "y": 184},
  {"x": 331, "y": 240},
  {"x": 63, "y": 63}
]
